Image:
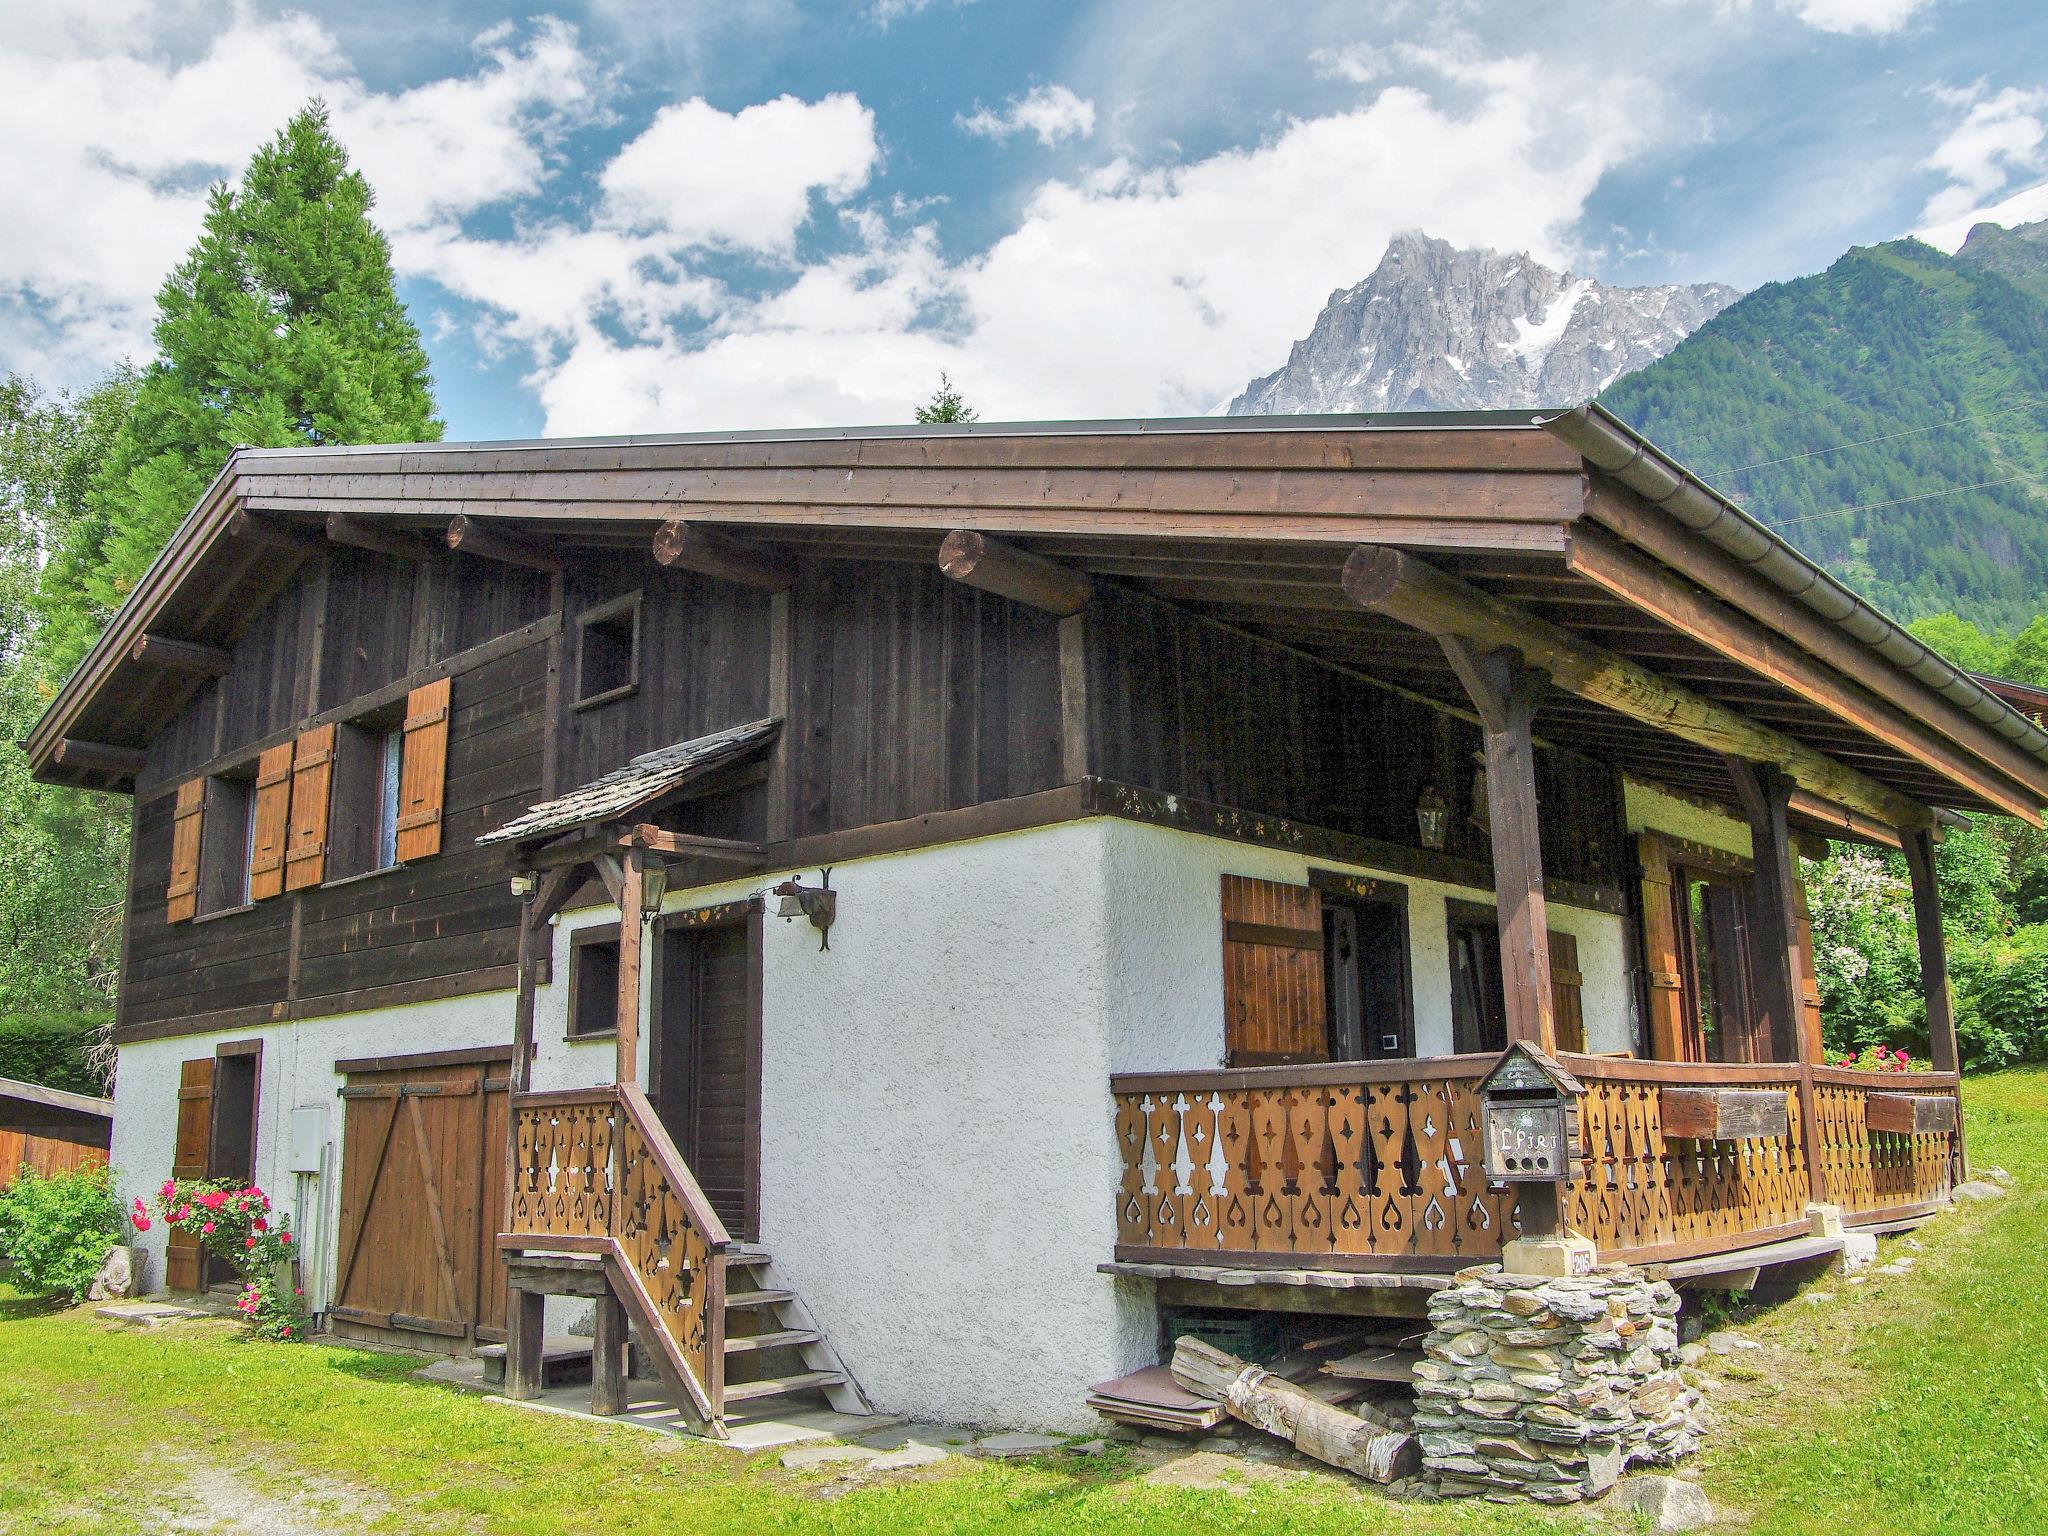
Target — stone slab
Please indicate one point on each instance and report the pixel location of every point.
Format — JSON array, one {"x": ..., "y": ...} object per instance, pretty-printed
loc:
[
  {"x": 1017, "y": 1443},
  {"x": 148, "y": 1314}
]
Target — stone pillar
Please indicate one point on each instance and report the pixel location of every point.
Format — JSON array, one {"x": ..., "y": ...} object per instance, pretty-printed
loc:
[{"x": 1550, "y": 1388}]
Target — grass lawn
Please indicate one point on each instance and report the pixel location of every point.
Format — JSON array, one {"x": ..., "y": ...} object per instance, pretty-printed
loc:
[{"x": 1906, "y": 1404}]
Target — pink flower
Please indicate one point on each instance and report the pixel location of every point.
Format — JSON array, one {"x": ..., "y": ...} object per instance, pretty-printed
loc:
[
  {"x": 284, "y": 1237},
  {"x": 168, "y": 1190},
  {"x": 184, "y": 1213},
  {"x": 1900, "y": 1054},
  {"x": 248, "y": 1242},
  {"x": 259, "y": 1225},
  {"x": 208, "y": 1227}
]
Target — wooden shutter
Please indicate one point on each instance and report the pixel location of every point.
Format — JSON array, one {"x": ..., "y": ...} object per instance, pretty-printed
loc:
[
  {"x": 188, "y": 1161},
  {"x": 1274, "y": 1008},
  {"x": 182, "y": 900},
  {"x": 423, "y": 771},
  {"x": 305, "y": 854},
  {"x": 1811, "y": 1046},
  {"x": 1664, "y": 992},
  {"x": 272, "y": 817},
  {"x": 1564, "y": 992}
]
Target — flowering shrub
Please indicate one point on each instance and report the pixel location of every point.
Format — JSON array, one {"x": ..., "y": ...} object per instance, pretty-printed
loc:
[
  {"x": 1875, "y": 1058},
  {"x": 235, "y": 1224}
]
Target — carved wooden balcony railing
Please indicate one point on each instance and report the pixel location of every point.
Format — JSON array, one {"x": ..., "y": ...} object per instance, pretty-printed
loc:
[
  {"x": 1374, "y": 1165},
  {"x": 594, "y": 1172}
]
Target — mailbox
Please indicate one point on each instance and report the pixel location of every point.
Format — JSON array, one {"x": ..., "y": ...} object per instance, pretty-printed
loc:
[{"x": 1529, "y": 1118}]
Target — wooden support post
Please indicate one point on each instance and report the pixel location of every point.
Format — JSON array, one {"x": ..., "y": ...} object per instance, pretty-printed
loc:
[
  {"x": 608, "y": 1355},
  {"x": 1505, "y": 694},
  {"x": 782, "y": 752},
  {"x": 693, "y": 547},
  {"x": 1017, "y": 574},
  {"x": 1422, "y": 597},
  {"x": 525, "y": 1316},
  {"x": 521, "y": 1073},
  {"x": 632, "y": 867},
  {"x": 182, "y": 656},
  {"x": 467, "y": 536},
  {"x": 1918, "y": 845},
  {"x": 1772, "y": 908},
  {"x": 1074, "y": 750}
]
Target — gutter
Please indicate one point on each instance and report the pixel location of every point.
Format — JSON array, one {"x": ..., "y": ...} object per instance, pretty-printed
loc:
[{"x": 1611, "y": 445}]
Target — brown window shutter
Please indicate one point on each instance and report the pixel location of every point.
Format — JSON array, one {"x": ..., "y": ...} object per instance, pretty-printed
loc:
[
  {"x": 305, "y": 852},
  {"x": 188, "y": 1161},
  {"x": 272, "y": 815},
  {"x": 1274, "y": 1008},
  {"x": 1564, "y": 992},
  {"x": 1809, "y": 984},
  {"x": 1664, "y": 996},
  {"x": 423, "y": 771},
  {"x": 182, "y": 900}
]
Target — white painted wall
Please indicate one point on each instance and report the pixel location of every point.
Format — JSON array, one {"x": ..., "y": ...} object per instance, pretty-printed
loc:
[
  {"x": 939, "y": 1165},
  {"x": 1653, "y": 810}
]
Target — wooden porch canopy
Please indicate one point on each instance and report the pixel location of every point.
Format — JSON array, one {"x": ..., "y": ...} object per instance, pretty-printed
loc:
[{"x": 1671, "y": 630}]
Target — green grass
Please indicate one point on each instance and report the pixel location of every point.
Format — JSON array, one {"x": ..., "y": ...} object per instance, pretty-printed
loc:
[{"x": 1908, "y": 1404}]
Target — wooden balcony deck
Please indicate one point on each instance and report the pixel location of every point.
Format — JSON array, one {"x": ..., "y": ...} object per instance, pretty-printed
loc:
[{"x": 1374, "y": 1165}]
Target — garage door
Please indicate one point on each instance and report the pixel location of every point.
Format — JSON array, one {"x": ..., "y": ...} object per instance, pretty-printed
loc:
[{"x": 422, "y": 1197}]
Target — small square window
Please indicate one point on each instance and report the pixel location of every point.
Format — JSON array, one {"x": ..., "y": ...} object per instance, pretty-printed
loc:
[
  {"x": 594, "y": 980},
  {"x": 608, "y": 651},
  {"x": 362, "y": 822},
  {"x": 227, "y": 841}
]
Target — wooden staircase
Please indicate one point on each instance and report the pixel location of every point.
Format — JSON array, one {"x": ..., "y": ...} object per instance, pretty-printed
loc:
[{"x": 601, "y": 1205}]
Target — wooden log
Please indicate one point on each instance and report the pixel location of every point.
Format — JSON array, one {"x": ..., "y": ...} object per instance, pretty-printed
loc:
[
  {"x": 993, "y": 566},
  {"x": 693, "y": 547},
  {"x": 1417, "y": 594},
  {"x": 246, "y": 528},
  {"x": 632, "y": 866},
  {"x": 1312, "y": 1426},
  {"x": 469, "y": 537},
  {"x": 99, "y": 757},
  {"x": 359, "y": 533},
  {"x": 1722, "y": 1114},
  {"x": 182, "y": 656},
  {"x": 1910, "y": 1114}
]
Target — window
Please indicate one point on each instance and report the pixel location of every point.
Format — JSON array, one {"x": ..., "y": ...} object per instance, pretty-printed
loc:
[
  {"x": 608, "y": 651},
  {"x": 362, "y": 831},
  {"x": 1713, "y": 943},
  {"x": 594, "y": 980},
  {"x": 1479, "y": 1010},
  {"x": 226, "y": 842},
  {"x": 1365, "y": 966}
]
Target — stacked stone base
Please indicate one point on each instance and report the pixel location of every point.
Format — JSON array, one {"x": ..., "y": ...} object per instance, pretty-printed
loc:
[{"x": 1548, "y": 1389}]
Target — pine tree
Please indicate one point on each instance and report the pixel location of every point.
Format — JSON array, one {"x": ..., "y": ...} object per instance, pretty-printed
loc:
[
  {"x": 946, "y": 405},
  {"x": 281, "y": 327}
]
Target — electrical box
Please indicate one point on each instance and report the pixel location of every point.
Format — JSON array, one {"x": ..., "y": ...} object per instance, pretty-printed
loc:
[
  {"x": 1529, "y": 1118},
  {"x": 306, "y": 1138}
]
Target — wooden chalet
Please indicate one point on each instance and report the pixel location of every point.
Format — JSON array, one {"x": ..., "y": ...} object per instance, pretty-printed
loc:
[
  {"x": 50, "y": 1130},
  {"x": 887, "y": 912}
]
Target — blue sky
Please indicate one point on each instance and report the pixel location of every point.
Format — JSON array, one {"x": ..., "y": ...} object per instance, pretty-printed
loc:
[{"x": 626, "y": 215}]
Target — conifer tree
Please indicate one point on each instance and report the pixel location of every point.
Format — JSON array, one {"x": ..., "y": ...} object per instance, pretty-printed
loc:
[
  {"x": 946, "y": 405},
  {"x": 282, "y": 326}
]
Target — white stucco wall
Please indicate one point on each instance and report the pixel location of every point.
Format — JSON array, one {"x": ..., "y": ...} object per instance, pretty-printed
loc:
[
  {"x": 938, "y": 1157},
  {"x": 1653, "y": 810}
]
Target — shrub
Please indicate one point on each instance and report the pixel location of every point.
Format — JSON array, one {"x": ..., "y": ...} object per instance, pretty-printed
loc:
[
  {"x": 57, "y": 1229},
  {"x": 235, "y": 1223},
  {"x": 2008, "y": 986},
  {"x": 52, "y": 1049}
]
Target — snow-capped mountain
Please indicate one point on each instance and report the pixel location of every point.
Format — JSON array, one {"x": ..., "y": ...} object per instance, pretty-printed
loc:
[{"x": 1437, "y": 328}]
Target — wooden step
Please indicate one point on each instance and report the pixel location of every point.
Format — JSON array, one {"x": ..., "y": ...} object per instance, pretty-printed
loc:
[
  {"x": 775, "y": 1386},
  {"x": 747, "y": 1256},
  {"x": 740, "y": 1301},
  {"x": 778, "y": 1340}
]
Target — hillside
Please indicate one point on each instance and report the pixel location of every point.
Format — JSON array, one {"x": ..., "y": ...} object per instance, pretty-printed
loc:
[{"x": 1899, "y": 377}]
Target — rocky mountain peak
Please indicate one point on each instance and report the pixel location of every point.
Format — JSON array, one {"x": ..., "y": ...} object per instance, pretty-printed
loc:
[{"x": 1437, "y": 328}]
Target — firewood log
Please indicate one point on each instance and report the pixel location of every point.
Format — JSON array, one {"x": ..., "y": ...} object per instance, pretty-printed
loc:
[{"x": 1314, "y": 1427}]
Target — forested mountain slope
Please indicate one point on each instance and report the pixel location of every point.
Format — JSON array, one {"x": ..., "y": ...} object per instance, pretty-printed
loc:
[{"x": 1906, "y": 384}]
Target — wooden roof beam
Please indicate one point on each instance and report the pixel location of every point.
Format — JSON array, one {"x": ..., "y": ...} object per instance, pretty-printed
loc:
[
  {"x": 1614, "y": 567},
  {"x": 1417, "y": 594},
  {"x": 98, "y": 757},
  {"x": 182, "y": 656},
  {"x": 690, "y": 546},
  {"x": 467, "y": 536},
  {"x": 254, "y": 532},
  {"x": 993, "y": 566},
  {"x": 358, "y": 533}
]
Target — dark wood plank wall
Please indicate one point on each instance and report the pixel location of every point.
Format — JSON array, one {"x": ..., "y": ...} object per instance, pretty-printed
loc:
[{"x": 1192, "y": 708}]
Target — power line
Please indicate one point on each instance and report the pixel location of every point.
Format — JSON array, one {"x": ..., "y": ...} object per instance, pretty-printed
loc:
[
  {"x": 1864, "y": 442},
  {"x": 1899, "y": 501}
]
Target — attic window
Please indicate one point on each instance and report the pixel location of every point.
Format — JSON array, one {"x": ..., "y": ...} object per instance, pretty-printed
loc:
[
  {"x": 225, "y": 841},
  {"x": 608, "y": 651}
]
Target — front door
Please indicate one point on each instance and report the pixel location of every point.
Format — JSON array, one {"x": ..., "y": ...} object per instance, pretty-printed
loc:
[{"x": 705, "y": 1066}]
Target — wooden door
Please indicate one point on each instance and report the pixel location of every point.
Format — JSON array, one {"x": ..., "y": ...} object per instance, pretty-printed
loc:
[
  {"x": 183, "y": 1254},
  {"x": 706, "y": 1064},
  {"x": 422, "y": 1200}
]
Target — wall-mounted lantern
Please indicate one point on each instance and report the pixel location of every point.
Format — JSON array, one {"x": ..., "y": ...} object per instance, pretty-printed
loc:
[
  {"x": 1529, "y": 1118},
  {"x": 819, "y": 903},
  {"x": 1433, "y": 819},
  {"x": 653, "y": 887}
]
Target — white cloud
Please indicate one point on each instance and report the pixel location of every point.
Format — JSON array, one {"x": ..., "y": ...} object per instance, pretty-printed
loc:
[
  {"x": 1999, "y": 136},
  {"x": 1052, "y": 112},
  {"x": 1871, "y": 16},
  {"x": 1358, "y": 63},
  {"x": 883, "y": 12}
]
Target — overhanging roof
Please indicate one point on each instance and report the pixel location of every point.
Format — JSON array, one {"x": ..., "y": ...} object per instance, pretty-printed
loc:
[{"x": 1245, "y": 520}]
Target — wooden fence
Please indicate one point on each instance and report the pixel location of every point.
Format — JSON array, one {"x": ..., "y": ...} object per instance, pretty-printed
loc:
[{"x": 1365, "y": 1165}]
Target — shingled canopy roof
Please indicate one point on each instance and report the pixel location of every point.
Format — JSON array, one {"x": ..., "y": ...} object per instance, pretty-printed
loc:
[
  {"x": 1568, "y": 520},
  {"x": 639, "y": 784}
]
